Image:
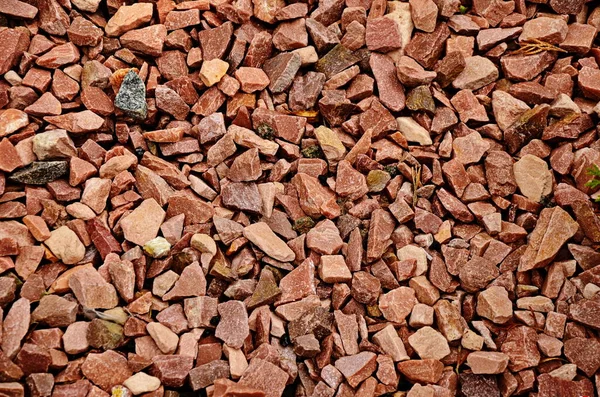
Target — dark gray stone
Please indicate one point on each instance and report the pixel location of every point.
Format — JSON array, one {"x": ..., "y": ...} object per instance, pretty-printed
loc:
[
  {"x": 40, "y": 172},
  {"x": 131, "y": 97}
]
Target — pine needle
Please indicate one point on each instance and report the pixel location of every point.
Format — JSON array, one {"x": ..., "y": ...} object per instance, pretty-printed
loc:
[
  {"x": 416, "y": 181},
  {"x": 535, "y": 46}
]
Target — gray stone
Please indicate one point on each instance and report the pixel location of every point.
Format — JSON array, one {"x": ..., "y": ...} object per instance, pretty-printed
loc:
[{"x": 131, "y": 97}]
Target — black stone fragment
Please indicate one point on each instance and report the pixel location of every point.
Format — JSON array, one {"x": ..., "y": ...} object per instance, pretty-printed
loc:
[
  {"x": 40, "y": 172},
  {"x": 131, "y": 97}
]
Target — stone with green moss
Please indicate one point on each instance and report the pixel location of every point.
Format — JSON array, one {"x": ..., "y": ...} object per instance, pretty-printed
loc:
[
  {"x": 392, "y": 170},
  {"x": 222, "y": 271},
  {"x": 304, "y": 224},
  {"x": 420, "y": 99},
  {"x": 312, "y": 152},
  {"x": 103, "y": 334},
  {"x": 266, "y": 290},
  {"x": 377, "y": 180},
  {"x": 265, "y": 131}
]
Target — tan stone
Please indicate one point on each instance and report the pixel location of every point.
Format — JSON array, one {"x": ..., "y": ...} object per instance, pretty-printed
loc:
[{"x": 429, "y": 344}]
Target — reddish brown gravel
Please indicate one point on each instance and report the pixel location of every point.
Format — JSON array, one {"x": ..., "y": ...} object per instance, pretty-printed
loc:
[{"x": 344, "y": 198}]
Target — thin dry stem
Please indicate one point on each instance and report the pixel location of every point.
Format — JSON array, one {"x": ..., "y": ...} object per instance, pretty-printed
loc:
[{"x": 535, "y": 46}]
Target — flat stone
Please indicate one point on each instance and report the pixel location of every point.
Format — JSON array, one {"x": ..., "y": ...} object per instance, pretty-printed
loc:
[
  {"x": 15, "y": 327},
  {"x": 191, "y": 282},
  {"x": 264, "y": 376},
  {"x": 281, "y": 70},
  {"x": 426, "y": 48},
  {"x": 520, "y": 346},
  {"x": 170, "y": 102},
  {"x": 412, "y": 74},
  {"x": 545, "y": 241},
  {"x": 165, "y": 339},
  {"x": 390, "y": 343},
  {"x": 333, "y": 269},
  {"x": 141, "y": 383},
  {"x": 585, "y": 313},
  {"x": 91, "y": 290},
  {"x": 55, "y": 311},
  {"x": 477, "y": 273},
  {"x": 12, "y": 120},
  {"x": 205, "y": 375},
  {"x": 429, "y": 344},
  {"x": 548, "y": 384},
  {"x": 424, "y": 14},
  {"x": 421, "y": 371},
  {"x": 507, "y": 108},
  {"x": 324, "y": 238},
  {"x": 306, "y": 346},
  {"x": 413, "y": 132},
  {"x": 533, "y": 177},
  {"x": 583, "y": 352},
  {"x": 549, "y": 30},
  {"x": 391, "y": 91},
  {"x": 65, "y": 244},
  {"x": 144, "y": 222},
  {"x": 487, "y": 362},
  {"x": 263, "y": 237},
  {"x": 9, "y": 156},
  {"x": 473, "y": 385},
  {"x": 129, "y": 17},
  {"x": 58, "y": 56},
  {"x": 494, "y": 304},
  {"x": 75, "y": 338},
  {"x": 172, "y": 370},
  {"x": 233, "y": 325},
  {"x": 397, "y": 304},
  {"x": 215, "y": 41},
  {"x": 18, "y": 9},
  {"x": 78, "y": 122},
  {"x": 357, "y": 368},
  {"x": 520, "y": 67},
  {"x": 382, "y": 35},
  {"x": 469, "y": 149},
  {"x": 106, "y": 370}
]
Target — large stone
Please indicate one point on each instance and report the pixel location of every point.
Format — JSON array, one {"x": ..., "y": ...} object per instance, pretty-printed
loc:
[
  {"x": 106, "y": 370},
  {"x": 429, "y": 344},
  {"x": 15, "y": 327},
  {"x": 583, "y": 352},
  {"x": 520, "y": 346},
  {"x": 91, "y": 290},
  {"x": 487, "y": 362},
  {"x": 131, "y": 97},
  {"x": 357, "y": 368},
  {"x": 129, "y": 17},
  {"x": 478, "y": 72},
  {"x": 233, "y": 325},
  {"x": 553, "y": 228},
  {"x": 494, "y": 304},
  {"x": 397, "y": 304},
  {"x": 533, "y": 177},
  {"x": 65, "y": 244},
  {"x": 263, "y": 237},
  {"x": 143, "y": 224},
  {"x": 141, "y": 383},
  {"x": 55, "y": 311}
]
